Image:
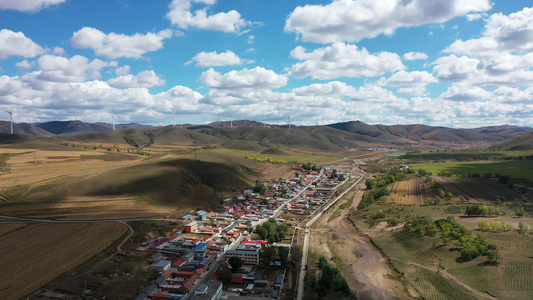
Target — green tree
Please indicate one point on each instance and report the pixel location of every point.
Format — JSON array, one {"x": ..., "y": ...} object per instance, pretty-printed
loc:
[
  {"x": 224, "y": 273},
  {"x": 522, "y": 228},
  {"x": 520, "y": 212},
  {"x": 493, "y": 256},
  {"x": 266, "y": 255},
  {"x": 235, "y": 263},
  {"x": 482, "y": 225},
  {"x": 262, "y": 232},
  {"x": 283, "y": 254}
]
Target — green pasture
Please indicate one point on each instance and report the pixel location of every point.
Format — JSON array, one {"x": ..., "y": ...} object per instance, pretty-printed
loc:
[
  {"x": 280, "y": 158},
  {"x": 514, "y": 168}
]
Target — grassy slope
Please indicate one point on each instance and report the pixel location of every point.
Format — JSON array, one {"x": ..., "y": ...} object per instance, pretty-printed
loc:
[
  {"x": 172, "y": 181},
  {"x": 523, "y": 142}
]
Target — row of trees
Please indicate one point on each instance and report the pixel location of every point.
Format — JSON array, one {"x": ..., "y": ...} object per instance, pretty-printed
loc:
[
  {"x": 372, "y": 196},
  {"x": 439, "y": 191},
  {"x": 384, "y": 180},
  {"x": 478, "y": 210},
  {"x": 311, "y": 166},
  {"x": 331, "y": 280},
  {"x": 271, "y": 254}
]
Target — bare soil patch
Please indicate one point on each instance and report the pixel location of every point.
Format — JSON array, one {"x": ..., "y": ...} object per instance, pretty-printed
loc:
[{"x": 366, "y": 270}]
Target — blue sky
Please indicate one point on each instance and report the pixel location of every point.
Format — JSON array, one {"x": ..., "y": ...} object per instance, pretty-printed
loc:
[{"x": 459, "y": 63}]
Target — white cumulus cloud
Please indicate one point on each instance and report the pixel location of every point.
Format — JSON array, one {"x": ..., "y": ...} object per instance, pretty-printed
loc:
[
  {"x": 214, "y": 59},
  {"x": 353, "y": 20},
  {"x": 25, "y": 64},
  {"x": 17, "y": 44},
  {"x": 256, "y": 78},
  {"x": 409, "y": 83},
  {"x": 343, "y": 60},
  {"x": 28, "y": 5},
  {"x": 513, "y": 33},
  {"x": 464, "y": 92},
  {"x": 180, "y": 14},
  {"x": 75, "y": 69},
  {"x": 115, "y": 45},
  {"x": 145, "y": 79},
  {"x": 415, "y": 56}
]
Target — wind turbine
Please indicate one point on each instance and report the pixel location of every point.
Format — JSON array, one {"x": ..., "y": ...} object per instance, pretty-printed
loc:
[
  {"x": 114, "y": 118},
  {"x": 231, "y": 121},
  {"x": 289, "y": 121},
  {"x": 174, "y": 117},
  {"x": 10, "y": 112}
]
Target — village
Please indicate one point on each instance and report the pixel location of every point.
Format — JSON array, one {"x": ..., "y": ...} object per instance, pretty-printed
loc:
[{"x": 227, "y": 253}]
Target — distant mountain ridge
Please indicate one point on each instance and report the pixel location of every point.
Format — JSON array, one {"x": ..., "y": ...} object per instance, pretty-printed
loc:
[
  {"x": 64, "y": 127},
  {"x": 245, "y": 134}
]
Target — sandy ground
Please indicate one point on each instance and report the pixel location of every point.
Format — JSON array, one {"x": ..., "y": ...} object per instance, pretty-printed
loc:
[{"x": 366, "y": 270}]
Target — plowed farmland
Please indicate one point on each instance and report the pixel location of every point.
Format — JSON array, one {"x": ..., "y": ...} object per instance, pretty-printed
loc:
[
  {"x": 412, "y": 191},
  {"x": 60, "y": 247}
]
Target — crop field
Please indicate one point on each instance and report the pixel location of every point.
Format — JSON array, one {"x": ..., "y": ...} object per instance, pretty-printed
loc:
[
  {"x": 511, "y": 279},
  {"x": 480, "y": 188},
  {"x": 431, "y": 285},
  {"x": 88, "y": 208},
  {"x": 34, "y": 254},
  {"x": 404, "y": 250},
  {"x": 514, "y": 168},
  {"x": 412, "y": 191}
]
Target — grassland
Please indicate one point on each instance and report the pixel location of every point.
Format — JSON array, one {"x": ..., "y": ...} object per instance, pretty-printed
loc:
[
  {"x": 282, "y": 158},
  {"x": 60, "y": 247}
]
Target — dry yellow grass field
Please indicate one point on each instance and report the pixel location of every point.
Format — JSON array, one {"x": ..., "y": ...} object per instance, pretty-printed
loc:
[
  {"x": 60, "y": 247},
  {"x": 53, "y": 165}
]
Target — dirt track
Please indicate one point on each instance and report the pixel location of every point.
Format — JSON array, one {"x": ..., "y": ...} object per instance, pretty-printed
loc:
[{"x": 367, "y": 272}]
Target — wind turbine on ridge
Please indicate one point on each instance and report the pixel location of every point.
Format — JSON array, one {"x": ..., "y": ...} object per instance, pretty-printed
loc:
[{"x": 10, "y": 112}]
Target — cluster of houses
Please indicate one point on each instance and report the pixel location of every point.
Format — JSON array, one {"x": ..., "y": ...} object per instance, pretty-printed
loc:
[{"x": 182, "y": 258}]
